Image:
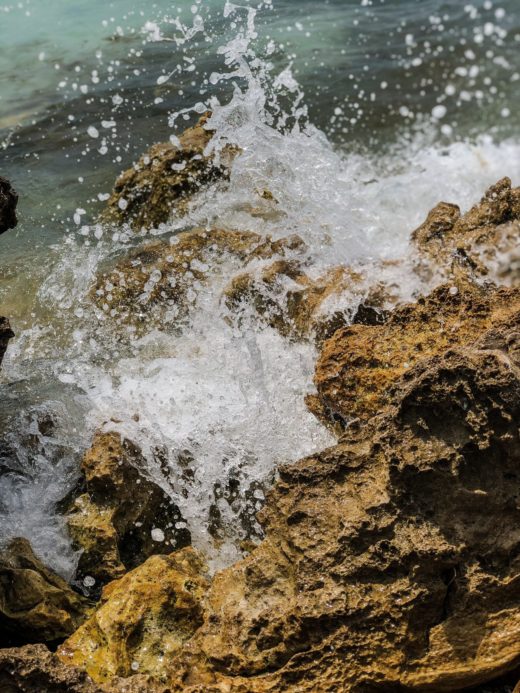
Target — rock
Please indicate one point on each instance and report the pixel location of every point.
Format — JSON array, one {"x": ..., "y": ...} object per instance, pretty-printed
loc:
[
  {"x": 34, "y": 669},
  {"x": 482, "y": 242},
  {"x": 6, "y": 334},
  {"x": 287, "y": 299},
  {"x": 8, "y": 203},
  {"x": 8, "y": 220},
  {"x": 359, "y": 364},
  {"x": 36, "y": 605},
  {"x": 165, "y": 277},
  {"x": 113, "y": 522},
  {"x": 391, "y": 560},
  {"x": 143, "y": 619},
  {"x": 165, "y": 178}
]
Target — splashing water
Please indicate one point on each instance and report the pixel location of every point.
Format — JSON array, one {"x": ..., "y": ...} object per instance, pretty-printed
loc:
[{"x": 222, "y": 402}]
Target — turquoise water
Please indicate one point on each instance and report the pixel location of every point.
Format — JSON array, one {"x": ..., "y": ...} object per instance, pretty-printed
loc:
[{"x": 358, "y": 115}]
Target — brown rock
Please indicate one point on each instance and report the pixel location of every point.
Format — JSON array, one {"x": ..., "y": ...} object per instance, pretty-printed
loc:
[
  {"x": 359, "y": 364},
  {"x": 8, "y": 203},
  {"x": 112, "y": 522},
  {"x": 391, "y": 560},
  {"x": 483, "y": 241},
  {"x": 34, "y": 669},
  {"x": 143, "y": 619},
  {"x": 165, "y": 178},
  {"x": 164, "y": 277},
  {"x": 285, "y": 297},
  {"x": 36, "y": 605}
]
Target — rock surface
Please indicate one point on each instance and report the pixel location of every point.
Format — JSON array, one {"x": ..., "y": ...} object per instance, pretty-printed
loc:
[
  {"x": 478, "y": 243},
  {"x": 113, "y": 522},
  {"x": 143, "y": 619},
  {"x": 36, "y": 605},
  {"x": 359, "y": 364},
  {"x": 34, "y": 669},
  {"x": 165, "y": 178},
  {"x": 391, "y": 561},
  {"x": 6, "y": 334},
  {"x": 166, "y": 276}
]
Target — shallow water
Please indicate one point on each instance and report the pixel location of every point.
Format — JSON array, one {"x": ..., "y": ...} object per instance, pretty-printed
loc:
[{"x": 357, "y": 116}]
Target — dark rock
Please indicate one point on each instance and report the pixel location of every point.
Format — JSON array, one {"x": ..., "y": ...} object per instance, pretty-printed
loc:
[{"x": 8, "y": 202}]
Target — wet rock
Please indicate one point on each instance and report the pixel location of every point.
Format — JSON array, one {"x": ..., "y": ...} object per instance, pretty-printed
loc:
[
  {"x": 6, "y": 334},
  {"x": 143, "y": 619},
  {"x": 359, "y": 364},
  {"x": 166, "y": 276},
  {"x": 285, "y": 297},
  {"x": 34, "y": 669},
  {"x": 482, "y": 242},
  {"x": 165, "y": 178},
  {"x": 8, "y": 203},
  {"x": 36, "y": 605},
  {"x": 123, "y": 517},
  {"x": 391, "y": 561}
]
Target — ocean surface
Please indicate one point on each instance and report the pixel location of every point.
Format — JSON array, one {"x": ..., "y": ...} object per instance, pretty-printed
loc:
[{"x": 358, "y": 115}]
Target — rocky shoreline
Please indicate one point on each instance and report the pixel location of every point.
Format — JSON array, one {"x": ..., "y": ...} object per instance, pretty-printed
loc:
[{"x": 390, "y": 561}]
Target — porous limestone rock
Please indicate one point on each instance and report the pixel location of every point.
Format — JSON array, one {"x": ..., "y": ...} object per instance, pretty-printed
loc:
[
  {"x": 165, "y": 178},
  {"x": 166, "y": 276},
  {"x": 358, "y": 364},
  {"x": 112, "y": 522},
  {"x": 391, "y": 561},
  {"x": 36, "y": 605},
  {"x": 482, "y": 242},
  {"x": 34, "y": 669},
  {"x": 143, "y": 619}
]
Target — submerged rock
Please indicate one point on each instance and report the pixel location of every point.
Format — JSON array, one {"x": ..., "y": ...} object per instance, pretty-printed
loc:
[
  {"x": 359, "y": 364},
  {"x": 8, "y": 203},
  {"x": 123, "y": 517},
  {"x": 143, "y": 619},
  {"x": 484, "y": 241},
  {"x": 36, "y": 605},
  {"x": 167, "y": 276},
  {"x": 165, "y": 178}
]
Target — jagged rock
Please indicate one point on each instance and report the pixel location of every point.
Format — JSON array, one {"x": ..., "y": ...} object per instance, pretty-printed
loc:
[
  {"x": 34, "y": 669},
  {"x": 165, "y": 178},
  {"x": 167, "y": 275},
  {"x": 112, "y": 522},
  {"x": 391, "y": 561},
  {"x": 8, "y": 203},
  {"x": 36, "y": 605},
  {"x": 483, "y": 241},
  {"x": 359, "y": 364},
  {"x": 143, "y": 619}
]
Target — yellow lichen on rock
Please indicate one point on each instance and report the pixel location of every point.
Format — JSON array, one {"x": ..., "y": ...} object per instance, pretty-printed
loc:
[{"x": 143, "y": 619}]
